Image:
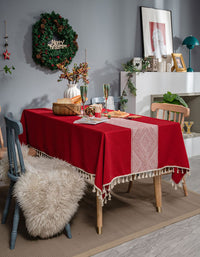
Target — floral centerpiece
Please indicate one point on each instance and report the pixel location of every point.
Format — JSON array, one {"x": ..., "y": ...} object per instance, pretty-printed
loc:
[{"x": 79, "y": 72}]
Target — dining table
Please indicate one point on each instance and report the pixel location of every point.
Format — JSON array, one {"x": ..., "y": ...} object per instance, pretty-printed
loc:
[{"x": 115, "y": 151}]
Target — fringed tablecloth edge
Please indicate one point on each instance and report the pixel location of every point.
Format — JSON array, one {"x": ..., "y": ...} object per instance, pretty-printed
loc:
[{"x": 104, "y": 195}]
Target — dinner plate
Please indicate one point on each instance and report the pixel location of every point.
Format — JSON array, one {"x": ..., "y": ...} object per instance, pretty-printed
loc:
[{"x": 91, "y": 120}]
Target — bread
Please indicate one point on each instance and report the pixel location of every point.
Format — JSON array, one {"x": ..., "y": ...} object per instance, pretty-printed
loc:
[
  {"x": 64, "y": 101},
  {"x": 73, "y": 100},
  {"x": 76, "y": 99}
]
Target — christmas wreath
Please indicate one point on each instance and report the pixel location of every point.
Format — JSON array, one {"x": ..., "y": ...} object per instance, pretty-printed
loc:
[{"x": 54, "y": 41}]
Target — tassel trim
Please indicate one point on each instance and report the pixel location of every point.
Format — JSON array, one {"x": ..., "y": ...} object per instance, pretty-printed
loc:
[{"x": 104, "y": 195}]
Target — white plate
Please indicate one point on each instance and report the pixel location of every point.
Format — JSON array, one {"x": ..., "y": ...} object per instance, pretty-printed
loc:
[{"x": 91, "y": 120}]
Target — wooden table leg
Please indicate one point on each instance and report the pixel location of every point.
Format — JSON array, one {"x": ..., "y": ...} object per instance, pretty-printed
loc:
[
  {"x": 185, "y": 187},
  {"x": 158, "y": 192},
  {"x": 99, "y": 216},
  {"x": 130, "y": 184}
]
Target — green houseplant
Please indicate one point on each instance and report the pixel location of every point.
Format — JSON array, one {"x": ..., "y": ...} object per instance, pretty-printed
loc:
[
  {"x": 131, "y": 69},
  {"x": 173, "y": 99}
]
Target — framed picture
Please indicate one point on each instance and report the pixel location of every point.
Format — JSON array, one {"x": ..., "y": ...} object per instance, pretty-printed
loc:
[
  {"x": 157, "y": 32},
  {"x": 137, "y": 62},
  {"x": 153, "y": 64},
  {"x": 179, "y": 63}
]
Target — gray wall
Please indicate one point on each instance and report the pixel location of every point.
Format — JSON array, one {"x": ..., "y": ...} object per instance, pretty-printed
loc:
[{"x": 109, "y": 29}]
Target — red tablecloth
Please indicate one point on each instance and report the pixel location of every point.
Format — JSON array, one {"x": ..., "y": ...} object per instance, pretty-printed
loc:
[{"x": 104, "y": 150}]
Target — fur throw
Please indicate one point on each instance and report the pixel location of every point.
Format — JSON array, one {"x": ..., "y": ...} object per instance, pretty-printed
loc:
[{"x": 48, "y": 194}]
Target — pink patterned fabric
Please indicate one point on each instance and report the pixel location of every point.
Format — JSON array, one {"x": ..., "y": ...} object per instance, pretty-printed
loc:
[{"x": 144, "y": 144}]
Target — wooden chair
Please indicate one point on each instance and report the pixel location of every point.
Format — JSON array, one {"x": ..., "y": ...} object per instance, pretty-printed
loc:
[
  {"x": 171, "y": 112},
  {"x": 113, "y": 102},
  {"x": 13, "y": 130}
]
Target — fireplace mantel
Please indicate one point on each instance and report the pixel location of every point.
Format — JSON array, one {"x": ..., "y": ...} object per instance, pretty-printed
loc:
[
  {"x": 152, "y": 85},
  {"x": 158, "y": 83}
]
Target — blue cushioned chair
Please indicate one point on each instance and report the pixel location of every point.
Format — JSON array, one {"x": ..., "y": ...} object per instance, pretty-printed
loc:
[{"x": 13, "y": 130}]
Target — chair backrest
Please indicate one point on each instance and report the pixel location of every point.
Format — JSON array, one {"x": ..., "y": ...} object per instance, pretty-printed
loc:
[
  {"x": 171, "y": 112},
  {"x": 1, "y": 136},
  {"x": 112, "y": 101},
  {"x": 15, "y": 158}
]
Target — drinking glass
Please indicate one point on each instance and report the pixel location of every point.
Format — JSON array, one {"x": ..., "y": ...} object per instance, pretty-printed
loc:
[
  {"x": 106, "y": 89},
  {"x": 83, "y": 90}
]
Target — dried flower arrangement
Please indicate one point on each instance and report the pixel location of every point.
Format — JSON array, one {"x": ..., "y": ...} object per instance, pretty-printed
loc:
[{"x": 79, "y": 72}]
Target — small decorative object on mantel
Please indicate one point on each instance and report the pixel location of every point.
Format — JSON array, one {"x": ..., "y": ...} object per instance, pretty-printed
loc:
[
  {"x": 137, "y": 62},
  {"x": 79, "y": 72},
  {"x": 179, "y": 64},
  {"x": 153, "y": 63},
  {"x": 6, "y": 53},
  {"x": 54, "y": 41},
  {"x": 168, "y": 63}
]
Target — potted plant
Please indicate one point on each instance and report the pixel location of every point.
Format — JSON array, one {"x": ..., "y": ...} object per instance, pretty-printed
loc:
[{"x": 173, "y": 99}]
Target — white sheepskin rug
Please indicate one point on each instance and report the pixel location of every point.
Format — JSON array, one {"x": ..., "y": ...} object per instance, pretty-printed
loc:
[{"x": 48, "y": 194}]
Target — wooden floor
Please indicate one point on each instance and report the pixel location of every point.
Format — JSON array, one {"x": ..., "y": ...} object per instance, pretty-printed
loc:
[{"x": 178, "y": 240}]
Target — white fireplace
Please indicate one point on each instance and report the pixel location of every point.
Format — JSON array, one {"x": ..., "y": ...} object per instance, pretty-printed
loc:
[{"x": 152, "y": 85}]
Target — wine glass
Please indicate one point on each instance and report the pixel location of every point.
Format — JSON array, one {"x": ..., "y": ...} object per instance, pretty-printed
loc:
[
  {"x": 106, "y": 89},
  {"x": 83, "y": 90}
]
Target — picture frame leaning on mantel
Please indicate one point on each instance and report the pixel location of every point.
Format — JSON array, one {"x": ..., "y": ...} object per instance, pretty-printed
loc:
[
  {"x": 179, "y": 64},
  {"x": 157, "y": 32}
]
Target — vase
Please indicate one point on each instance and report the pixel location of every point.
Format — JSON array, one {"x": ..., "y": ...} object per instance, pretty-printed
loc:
[{"x": 71, "y": 91}]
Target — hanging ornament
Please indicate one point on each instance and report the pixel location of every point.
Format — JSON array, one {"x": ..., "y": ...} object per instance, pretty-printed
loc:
[{"x": 6, "y": 53}]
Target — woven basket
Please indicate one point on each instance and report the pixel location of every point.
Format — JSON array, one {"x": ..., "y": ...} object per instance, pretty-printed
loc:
[{"x": 66, "y": 109}]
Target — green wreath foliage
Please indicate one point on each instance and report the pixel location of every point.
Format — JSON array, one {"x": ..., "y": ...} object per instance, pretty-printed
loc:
[{"x": 50, "y": 27}]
